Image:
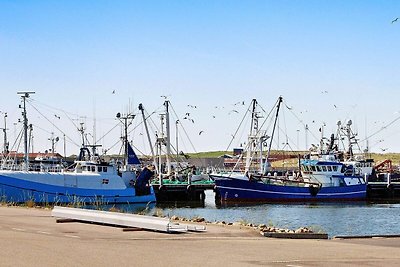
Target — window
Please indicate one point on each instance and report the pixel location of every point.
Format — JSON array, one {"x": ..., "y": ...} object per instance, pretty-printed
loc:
[
  {"x": 93, "y": 168},
  {"x": 313, "y": 168},
  {"x": 99, "y": 169},
  {"x": 329, "y": 168},
  {"x": 319, "y": 168},
  {"x": 104, "y": 169},
  {"x": 323, "y": 168},
  {"x": 334, "y": 168}
]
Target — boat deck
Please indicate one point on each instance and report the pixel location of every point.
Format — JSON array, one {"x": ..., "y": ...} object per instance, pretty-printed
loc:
[{"x": 169, "y": 190}]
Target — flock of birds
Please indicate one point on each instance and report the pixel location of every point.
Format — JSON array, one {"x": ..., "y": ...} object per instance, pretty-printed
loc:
[
  {"x": 233, "y": 111},
  {"x": 189, "y": 118},
  {"x": 187, "y": 114}
]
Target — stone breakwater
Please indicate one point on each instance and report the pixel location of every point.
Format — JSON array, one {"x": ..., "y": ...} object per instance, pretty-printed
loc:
[
  {"x": 301, "y": 230},
  {"x": 261, "y": 227}
]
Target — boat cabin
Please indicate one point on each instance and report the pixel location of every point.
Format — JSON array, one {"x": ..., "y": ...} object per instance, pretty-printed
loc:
[
  {"x": 90, "y": 167},
  {"x": 315, "y": 166}
]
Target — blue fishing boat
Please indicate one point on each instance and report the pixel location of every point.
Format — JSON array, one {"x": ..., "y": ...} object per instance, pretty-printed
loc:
[
  {"x": 331, "y": 184},
  {"x": 320, "y": 178},
  {"x": 89, "y": 180}
]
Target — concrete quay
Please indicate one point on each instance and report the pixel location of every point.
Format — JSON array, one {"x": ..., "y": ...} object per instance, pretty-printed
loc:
[{"x": 31, "y": 237}]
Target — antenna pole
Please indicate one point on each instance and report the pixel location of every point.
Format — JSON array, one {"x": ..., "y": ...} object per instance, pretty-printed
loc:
[
  {"x": 124, "y": 119},
  {"x": 65, "y": 148},
  {"x": 24, "y": 96},
  {"x": 5, "y": 147},
  {"x": 306, "y": 135},
  {"x": 176, "y": 135}
]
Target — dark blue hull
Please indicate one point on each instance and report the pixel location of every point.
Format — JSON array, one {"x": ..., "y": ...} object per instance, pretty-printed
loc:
[
  {"x": 243, "y": 191},
  {"x": 14, "y": 190}
]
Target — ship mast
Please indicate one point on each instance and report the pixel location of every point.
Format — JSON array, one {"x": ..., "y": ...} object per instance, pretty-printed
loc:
[
  {"x": 24, "y": 96},
  {"x": 5, "y": 146},
  {"x": 168, "y": 141},
  {"x": 124, "y": 119},
  {"x": 148, "y": 136},
  {"x": 252, "y": 135},
  {"x": 272, "y": 135}
]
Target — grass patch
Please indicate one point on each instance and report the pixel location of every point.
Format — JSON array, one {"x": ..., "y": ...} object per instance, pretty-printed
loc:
[{"x": 30, "y": 203}]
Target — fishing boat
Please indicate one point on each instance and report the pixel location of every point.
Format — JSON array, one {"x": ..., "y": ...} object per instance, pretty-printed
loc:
[
  {"x": 89, "y": 180},
  {"x": 168, "y": 165},
  {"x": 321, "y": 178}
]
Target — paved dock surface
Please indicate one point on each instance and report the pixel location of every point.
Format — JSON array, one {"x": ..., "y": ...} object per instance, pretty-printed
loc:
[{"x": 31, "y": 237}]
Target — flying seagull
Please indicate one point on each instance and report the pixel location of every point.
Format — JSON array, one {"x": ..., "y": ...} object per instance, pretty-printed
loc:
[
  {"x": 113, "y": 92},
  {"x": 201, "y": 132},
  {"x": 395, "y": 20},
  {"x": 233, "y": 111},
  {"x": 58, "y": 117},
  {"x": 239, "y": 103}
]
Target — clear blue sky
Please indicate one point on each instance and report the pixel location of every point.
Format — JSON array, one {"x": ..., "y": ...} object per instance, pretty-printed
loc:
[{"x": 203, "y": 53}]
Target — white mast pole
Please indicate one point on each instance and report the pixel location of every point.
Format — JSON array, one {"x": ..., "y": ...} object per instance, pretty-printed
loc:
[
  {"x": 168, "y": 132},
  {"x": 24, "y": 96}
]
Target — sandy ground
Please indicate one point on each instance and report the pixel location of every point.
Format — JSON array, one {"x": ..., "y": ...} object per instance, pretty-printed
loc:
[{"x": 31, "y": 237}]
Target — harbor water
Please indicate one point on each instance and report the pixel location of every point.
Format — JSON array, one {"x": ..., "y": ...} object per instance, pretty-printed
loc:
[
  {"x": 358, "y": 218},
  {"x": 361, "y": 218}
]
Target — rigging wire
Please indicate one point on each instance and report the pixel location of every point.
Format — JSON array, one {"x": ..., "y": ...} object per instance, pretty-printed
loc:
[
  {"x": 381, "y": 129},
  {"x": 184, "y": 130},
  {"x": 115, "y": 126},
  {"x": 16, "y": 147},
  {"x": 72, "y": 141},
  {"x": 67, "y": 114},
  {"x": 299, "y": 120},
  {"x": 233, "y": 136},
  {"x": 130, "y": 131}
]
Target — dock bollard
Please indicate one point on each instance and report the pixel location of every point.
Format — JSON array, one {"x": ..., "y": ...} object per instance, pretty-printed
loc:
[{"x": 388, "y": 180}]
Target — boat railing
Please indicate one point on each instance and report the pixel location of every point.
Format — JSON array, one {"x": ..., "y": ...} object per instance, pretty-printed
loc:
[
  {"x": 285, "y": 179},
  {"x": 33, "y": 168},
  {"x": 40, "y": 167}
]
